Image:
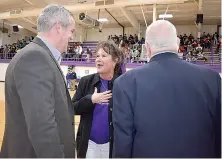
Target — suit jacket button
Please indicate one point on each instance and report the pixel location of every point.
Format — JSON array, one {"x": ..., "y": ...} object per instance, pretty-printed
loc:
[
  {"x": 111, "y": 109},
  {"x": 110, "y": 123}
]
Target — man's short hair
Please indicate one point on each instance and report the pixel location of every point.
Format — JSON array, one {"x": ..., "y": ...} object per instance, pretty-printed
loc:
[
  {"x": 52, "y": 14},
  {"x": 161, "y": 34}
]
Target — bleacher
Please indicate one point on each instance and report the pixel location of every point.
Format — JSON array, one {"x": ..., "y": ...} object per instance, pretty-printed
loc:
[
  {"x": 91, "y": 45},
  {"x": 213, "y": 59}
]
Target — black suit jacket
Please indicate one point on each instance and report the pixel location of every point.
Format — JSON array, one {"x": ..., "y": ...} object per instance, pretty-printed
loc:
[
  {"x": 83, "y": 106},
  {"x": 167, "y": 108}
]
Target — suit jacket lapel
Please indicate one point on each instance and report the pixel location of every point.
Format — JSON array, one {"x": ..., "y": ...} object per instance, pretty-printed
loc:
[{"x": 42, "y": 44}]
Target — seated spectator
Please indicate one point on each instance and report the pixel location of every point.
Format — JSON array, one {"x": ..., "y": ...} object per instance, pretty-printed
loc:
[
  {"x": 189, "y": 47},
  {"x": 194, "y": 44},
  {"x": 181, "y": 48},
  {"x": 207, "y": 43},
  {"x": 125, "y": 52},
  {"x": 1, "y": 52},
  {"x": 89, "y": 54},
  {"x": 78, "y": 50},
  {"x": 189, "y": 57},
  {"x": 200, "y": 56},
  {"x": 215, "y": 38},
  {"x": 218, "y": 46},
  {"x": 191, "y": 37},
  {"x": 199, "y": 49},
  {"x": 6, "y": 52},
  {"x": 203, "y": 35}
]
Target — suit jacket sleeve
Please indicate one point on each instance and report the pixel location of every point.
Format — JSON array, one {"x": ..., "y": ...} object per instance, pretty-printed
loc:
[
  {"x": 124, "y": 130},
  {"x": 218, "y": 119},
  {"x": 82, "y": 103},
  {"x": 35, "y": 86}
]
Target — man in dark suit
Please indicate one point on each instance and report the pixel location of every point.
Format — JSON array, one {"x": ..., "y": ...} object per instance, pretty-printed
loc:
[
  {"x": 169, "y": 107},
  {"x": 39, "y": 112}
]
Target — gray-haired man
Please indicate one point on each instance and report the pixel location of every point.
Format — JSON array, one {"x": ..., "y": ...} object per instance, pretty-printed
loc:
[
  {"x": 39, "y": 114},
  {"x": 168, "y": 108}
]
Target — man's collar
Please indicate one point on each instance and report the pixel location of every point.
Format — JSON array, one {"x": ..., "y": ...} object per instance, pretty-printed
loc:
[
  {"x": 163, "y": 55},
  {"x": 56, "y": 53}
]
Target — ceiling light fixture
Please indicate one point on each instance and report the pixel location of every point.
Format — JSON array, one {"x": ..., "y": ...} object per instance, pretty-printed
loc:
[
  {"x": 20, "y": 26},
  {"x": 103, "y": 20},
  {"x": 165, "y": 16}
]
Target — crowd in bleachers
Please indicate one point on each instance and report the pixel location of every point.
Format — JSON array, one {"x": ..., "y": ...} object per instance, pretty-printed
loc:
[
  {"x": 74, "y": 51},
  {"x": 129, "y": 40},
  {"x": 205, "y": 41},
  {"x": 193, "y": 49},
  {"x": 9, "y": 50},
  {"x": 130, "y": 45}
]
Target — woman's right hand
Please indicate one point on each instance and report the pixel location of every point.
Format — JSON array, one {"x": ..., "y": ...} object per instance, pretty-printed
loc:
[{"x": 101, "y": 98}]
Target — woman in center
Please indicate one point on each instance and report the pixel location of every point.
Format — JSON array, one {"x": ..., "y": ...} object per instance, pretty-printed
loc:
[{"x": 93, "y": 102}]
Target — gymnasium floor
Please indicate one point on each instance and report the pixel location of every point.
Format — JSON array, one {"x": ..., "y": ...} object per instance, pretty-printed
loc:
[{"x": 2, "y": 113}]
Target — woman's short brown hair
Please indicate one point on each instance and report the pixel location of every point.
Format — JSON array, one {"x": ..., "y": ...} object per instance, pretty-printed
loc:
[{"x": 111, "y": 48}]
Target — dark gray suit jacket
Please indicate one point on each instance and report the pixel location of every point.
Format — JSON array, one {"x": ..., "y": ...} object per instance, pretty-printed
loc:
[{"x": 39, "y": 112}]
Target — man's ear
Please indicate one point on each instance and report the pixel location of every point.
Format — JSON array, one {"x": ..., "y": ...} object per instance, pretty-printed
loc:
[
  {"x": 58, "y": 27},
  {"x": 148, "y": 51}
]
